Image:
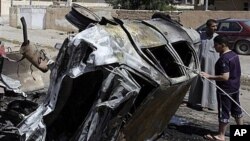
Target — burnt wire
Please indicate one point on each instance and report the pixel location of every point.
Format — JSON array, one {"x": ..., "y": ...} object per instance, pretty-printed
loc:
[
  {"x": 17, "y": 71},
  {"x": 113, "y": 70},
  {"x": 198, "y": 72},
  {"x": 42, "y": 56}
]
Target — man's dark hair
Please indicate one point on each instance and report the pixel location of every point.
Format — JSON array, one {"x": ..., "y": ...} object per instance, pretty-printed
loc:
[
  {"x": 210, "y": 22},
  {"x": 220, "y": 39}
]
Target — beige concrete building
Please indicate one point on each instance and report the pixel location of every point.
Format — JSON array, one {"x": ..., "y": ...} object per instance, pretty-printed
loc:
[
  {"x": 227, "y": 5},
  {"x": 6, "y": 4},
  {"x": 233, "y": 5}
]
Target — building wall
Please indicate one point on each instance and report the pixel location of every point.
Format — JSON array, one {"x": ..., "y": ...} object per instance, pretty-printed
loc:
[
  {"x": 195, "y": 18},
  {"x": 188, "y": 18},
  {"x": 91, "y": 1},
  {"x": 55, "y": 17},
  {"x": 6, "y": 4},
  {"x": 230, "y": 4}
]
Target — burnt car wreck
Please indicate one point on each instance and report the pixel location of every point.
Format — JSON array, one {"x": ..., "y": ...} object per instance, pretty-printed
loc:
[{"x": 114, "y": 80}]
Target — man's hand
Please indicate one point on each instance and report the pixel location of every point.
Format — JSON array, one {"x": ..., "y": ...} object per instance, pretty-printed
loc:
[
  {"x": 2, "y": 50},
  {"x": 206, "y": 75}
]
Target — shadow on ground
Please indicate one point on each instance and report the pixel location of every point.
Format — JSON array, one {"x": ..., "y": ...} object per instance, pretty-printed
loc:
[{"x": 182, "y": 129}]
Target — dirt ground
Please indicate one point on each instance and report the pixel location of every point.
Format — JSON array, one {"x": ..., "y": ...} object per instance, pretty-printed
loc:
[{"x": 191, "y": 125}]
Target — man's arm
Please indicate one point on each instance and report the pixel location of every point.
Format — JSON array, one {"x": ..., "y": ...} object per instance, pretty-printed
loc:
[{"x": 222, "y": 77}]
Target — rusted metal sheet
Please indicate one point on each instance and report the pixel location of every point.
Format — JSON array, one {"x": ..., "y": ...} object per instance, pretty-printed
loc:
[{"x": 115, "y": 80}]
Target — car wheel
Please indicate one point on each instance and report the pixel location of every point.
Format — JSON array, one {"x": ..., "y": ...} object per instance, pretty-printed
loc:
[{"x": 243, "y": 47}]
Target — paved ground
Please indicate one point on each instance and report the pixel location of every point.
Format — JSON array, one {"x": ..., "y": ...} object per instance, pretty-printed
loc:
[
  {"x": 191, "y": 124},
  {"x": 187, "y": 124}
]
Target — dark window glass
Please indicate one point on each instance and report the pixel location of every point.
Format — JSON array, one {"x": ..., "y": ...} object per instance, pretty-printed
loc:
[
  {"x": 223, "y": 26},
  {"x": 234, "y": 26}
]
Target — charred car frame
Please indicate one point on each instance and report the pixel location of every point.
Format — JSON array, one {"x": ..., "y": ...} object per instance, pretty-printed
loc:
[{"x": 114, "y": 80}]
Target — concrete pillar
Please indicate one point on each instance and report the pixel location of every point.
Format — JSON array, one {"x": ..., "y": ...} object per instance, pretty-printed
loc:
[
  {"x": 192, "y": 2},
  {"x": 206, "y": 5},
  {"x": 69, "y": 3},
  {"x": 201, "y": 2}
]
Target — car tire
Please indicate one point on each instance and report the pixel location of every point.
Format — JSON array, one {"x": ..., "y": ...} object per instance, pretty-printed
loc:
[{"x": 242, "y": 47}]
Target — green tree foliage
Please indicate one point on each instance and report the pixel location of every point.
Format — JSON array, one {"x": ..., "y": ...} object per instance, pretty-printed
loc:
[{"x": 140, "y": 4}]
